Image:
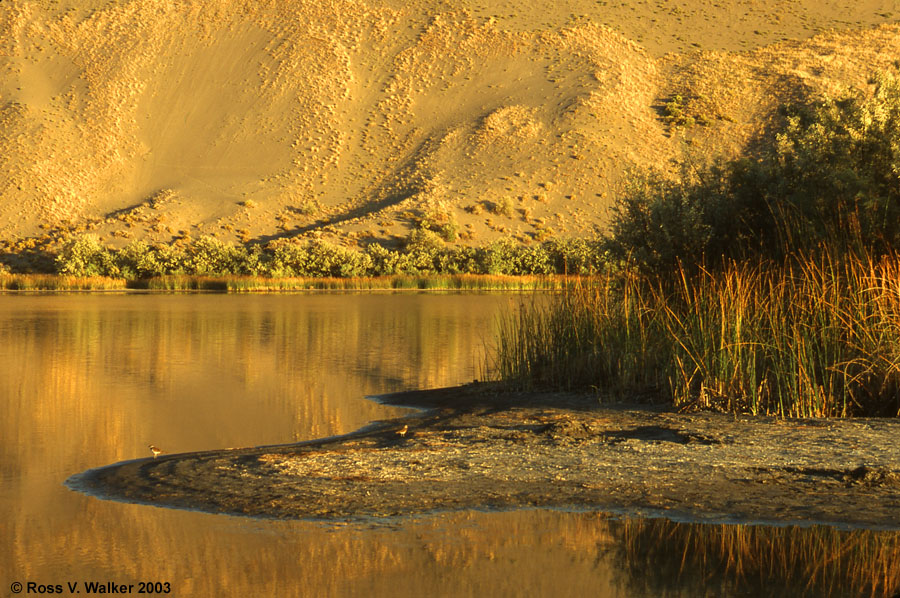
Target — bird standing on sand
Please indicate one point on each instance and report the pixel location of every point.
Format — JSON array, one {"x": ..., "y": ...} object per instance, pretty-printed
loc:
[
  {"x": 402, "y": 431},
  {"x": 156, "y": 451}
]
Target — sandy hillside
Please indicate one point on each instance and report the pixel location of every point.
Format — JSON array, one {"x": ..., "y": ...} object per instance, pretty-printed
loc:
[{"x": 155, "y": 119}]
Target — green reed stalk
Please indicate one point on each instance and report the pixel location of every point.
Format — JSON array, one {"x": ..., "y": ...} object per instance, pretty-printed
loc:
[{"x": 814, "y": 339}]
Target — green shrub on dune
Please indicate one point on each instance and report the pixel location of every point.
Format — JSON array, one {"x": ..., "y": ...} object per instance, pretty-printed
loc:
[
  {"x": 86, "y": 256},
  {"x": 326, "y": 259},
  {"x": 831, "y": 182},
  {"x": 209, "y": 256},
  {"x": 139, "y": 260},
  {"x": 314, "y": 259}
]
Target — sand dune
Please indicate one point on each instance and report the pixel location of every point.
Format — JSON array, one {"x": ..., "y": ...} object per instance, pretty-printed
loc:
[{"x": 154, "y": 119}]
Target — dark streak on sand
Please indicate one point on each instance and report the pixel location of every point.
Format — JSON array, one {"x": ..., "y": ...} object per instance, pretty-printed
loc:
[{"x": 475, "y": 448}]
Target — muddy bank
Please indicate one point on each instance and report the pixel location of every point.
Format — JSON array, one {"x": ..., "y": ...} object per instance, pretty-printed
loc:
[{"x": 474, "y": 449}]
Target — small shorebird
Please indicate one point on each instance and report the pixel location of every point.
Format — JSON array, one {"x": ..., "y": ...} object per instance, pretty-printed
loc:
[
  {"x": 402, "y": 431},
  {"x": 155, "y": 450}
]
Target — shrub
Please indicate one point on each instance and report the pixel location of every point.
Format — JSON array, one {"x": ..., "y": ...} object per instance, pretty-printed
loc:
[
  {"x": 139, "y": 260},
  {"x": 675, "y": 113},
  {"x": 460, "y": 260},
  {"x": 421, "y": 254},
  {"x": 830, "y": 182},
  {"x": 326, "y": 259},
  {"x": 307, "y": 207},
  {"x": 385, "y": 262},
  {"x": 837, "y": 165},
  {"x": 660, "y": 223},
  {"x": 442, "y": 221},
  {"x": 498, "y": 258},
  {"x": 172, "y": 258},
  {"x": 85, "y": 255},
  {"x": 576, "y": 256},
  {"x": 316, "y": 259},
  {"x": 503, "y": 207},
  {"x": 285, "y": 260},
  {"x": 209, "y": 256}
]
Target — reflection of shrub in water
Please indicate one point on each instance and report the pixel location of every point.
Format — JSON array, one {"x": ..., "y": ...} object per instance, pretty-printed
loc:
[{"x": 752, "y": 560}]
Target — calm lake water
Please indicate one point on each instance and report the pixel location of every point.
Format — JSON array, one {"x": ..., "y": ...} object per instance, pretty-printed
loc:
[{"x": 88, "y": 380}]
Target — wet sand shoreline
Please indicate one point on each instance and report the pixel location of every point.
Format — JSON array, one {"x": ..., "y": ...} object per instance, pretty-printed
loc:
[{"x": 476, "y": 448}]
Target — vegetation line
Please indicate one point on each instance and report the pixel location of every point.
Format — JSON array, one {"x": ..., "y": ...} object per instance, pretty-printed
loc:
[
  {"x": 257, "y": 284},
  {"x": 424, "y": 254}
]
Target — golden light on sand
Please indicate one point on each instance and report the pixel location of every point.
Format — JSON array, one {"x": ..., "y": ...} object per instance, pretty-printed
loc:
[{"x": 274, "y": 117}]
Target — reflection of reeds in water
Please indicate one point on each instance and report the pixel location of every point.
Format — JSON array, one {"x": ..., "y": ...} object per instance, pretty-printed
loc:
[{"x": 817, "y": 561}]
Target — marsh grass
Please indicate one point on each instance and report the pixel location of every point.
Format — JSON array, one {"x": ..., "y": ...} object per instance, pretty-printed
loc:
[
  {"x": 812, "y": 339},
  {"x": 51, "y": 282},
  {"x": 447, "y": 282},
  {"x": 818, "y": 561},
  {"x": 260, "y": 284}
]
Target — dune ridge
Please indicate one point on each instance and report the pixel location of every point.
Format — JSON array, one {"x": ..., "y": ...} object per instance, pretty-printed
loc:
[{"x": 146, "y": 119}]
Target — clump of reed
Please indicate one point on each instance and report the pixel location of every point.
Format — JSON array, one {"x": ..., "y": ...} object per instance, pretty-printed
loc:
[
  {"x": 180, "y": 282},
  {"x": 810, "y": 339},
  {"x": 49, "y": 282},
  {"x": 818, "y": 561}
]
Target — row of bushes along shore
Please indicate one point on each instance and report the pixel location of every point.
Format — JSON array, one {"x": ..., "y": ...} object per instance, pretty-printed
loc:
[
  {"x": 423, "y": 254},
  {"x": 425, "y": 262}
]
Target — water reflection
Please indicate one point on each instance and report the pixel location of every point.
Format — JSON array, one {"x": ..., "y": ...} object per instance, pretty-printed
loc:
[
  {"x": 89, "y": 380},
  {"x": 111, "y": 374},
  {"x": 658, "y": 556}
]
